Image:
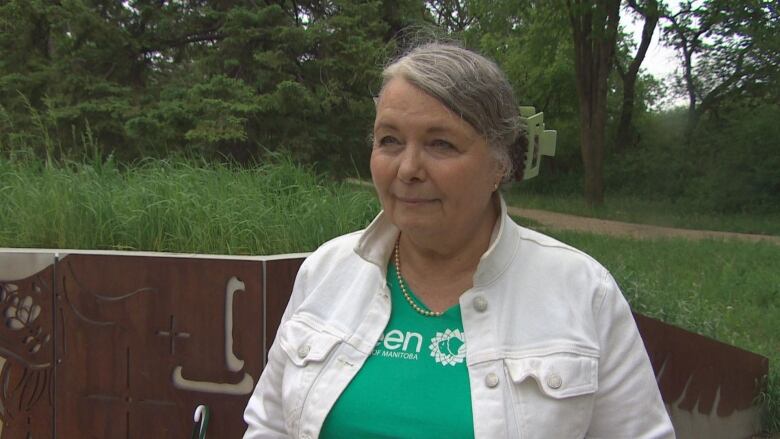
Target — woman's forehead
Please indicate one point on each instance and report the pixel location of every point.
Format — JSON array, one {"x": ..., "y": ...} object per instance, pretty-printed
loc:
[{"x": 402, "y": 104}]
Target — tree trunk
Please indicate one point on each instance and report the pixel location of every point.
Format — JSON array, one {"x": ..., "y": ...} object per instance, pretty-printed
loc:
[
  {"x": 626, "y": 134},
  {"x": 592, "y": 150},
  {"x": 594, "y": 29},
  {"x": 688, "y": 42},
  {"x": 693, "y": 118}
]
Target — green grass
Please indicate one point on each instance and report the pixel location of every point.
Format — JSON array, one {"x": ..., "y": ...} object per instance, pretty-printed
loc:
[
  {"x": 636, "y": 209},
  {"x": 727, "y": 290},
  {"x": 175, "y": 206}
]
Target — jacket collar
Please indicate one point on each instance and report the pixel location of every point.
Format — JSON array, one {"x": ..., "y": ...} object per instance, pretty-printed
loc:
[{"x": 377, "y": 242}]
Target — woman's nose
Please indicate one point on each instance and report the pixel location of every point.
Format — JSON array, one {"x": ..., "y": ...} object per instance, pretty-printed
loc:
[{"x": 411, "y": 168}]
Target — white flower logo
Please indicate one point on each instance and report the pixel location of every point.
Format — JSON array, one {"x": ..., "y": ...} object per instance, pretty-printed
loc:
[{"x": 449, "y": 347}]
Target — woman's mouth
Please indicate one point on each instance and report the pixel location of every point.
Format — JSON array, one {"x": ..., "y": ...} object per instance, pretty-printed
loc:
[{"x": 415, "y": 200}]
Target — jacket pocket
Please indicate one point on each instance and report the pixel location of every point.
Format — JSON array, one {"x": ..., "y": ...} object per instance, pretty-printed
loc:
[
  {"x": 304, "y": 344},
  {"x": 553, "y": 395},
  {"x": 307, "y": 351}
]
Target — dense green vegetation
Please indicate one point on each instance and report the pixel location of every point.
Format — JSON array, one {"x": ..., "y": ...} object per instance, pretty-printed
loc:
[
  {"x": 731, "y": 167},
  {"x": 235, "y": 78},
  {"x": 245, "y": 78}
]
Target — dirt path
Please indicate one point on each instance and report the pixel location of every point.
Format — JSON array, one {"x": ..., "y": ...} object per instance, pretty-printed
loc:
[{"x": 564, "y": 221}]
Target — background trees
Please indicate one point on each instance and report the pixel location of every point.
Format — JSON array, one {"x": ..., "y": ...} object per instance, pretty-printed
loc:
[
  {"x": 242, "y": 78},
  {"x": 729, "y": 50}
]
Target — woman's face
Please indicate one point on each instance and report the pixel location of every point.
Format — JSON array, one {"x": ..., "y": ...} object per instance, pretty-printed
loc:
[{"x": 432, "y": 170}]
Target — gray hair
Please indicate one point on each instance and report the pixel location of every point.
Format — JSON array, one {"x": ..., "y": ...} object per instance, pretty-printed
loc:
[{"x": 469, "y": 85}]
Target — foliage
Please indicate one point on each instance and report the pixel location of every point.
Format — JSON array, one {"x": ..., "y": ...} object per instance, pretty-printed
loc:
[
  {"x": 728, "y": 51},
  {"x": 738, "y": 153},
  {"x": 241, "y": 79},
  {"x": 730, "y": 168},
  {"x": 236, "y": 79},
  {"x": 531, "y": 42}
]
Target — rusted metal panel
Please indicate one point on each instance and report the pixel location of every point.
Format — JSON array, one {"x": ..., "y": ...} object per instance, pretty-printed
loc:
[
  {"x": 26, "y": 345},
  {"x": 709, "y": 387},
  {"x": 144, "y": 340}
]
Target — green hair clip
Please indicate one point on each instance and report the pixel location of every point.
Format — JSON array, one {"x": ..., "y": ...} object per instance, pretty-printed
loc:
[{"x": 541, "y": 142}]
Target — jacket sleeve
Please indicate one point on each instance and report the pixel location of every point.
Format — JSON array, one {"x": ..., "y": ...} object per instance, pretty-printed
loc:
[
  {"x": 628, "y": 403},
  {"x": 264, "y": 414}
]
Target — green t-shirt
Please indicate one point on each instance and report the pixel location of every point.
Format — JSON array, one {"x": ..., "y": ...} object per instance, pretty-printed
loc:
[{"x": 415, "y": 383}]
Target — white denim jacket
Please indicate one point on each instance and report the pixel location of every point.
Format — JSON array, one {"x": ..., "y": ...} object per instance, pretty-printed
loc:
[{"x": 553, "y": 351}]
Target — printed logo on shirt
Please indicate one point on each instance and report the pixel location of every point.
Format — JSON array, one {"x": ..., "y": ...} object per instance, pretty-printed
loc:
[
  {"x": 397, "y": 344},
  {"x": 448, "y": 348}
]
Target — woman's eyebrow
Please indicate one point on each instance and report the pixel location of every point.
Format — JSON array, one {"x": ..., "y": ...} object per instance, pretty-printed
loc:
[
  {"x": 386, "y": 125},
  {"x": 435, "y": 129}
]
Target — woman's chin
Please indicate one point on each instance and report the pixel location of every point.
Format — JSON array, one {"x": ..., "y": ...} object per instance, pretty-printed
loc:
[{"x": 418, "y": 224}]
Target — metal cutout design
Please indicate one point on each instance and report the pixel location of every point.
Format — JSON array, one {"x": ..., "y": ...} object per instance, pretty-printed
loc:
[
  {"x": 20, "y": 312},
  {"x": 234, "y": 285},
  {"x": 233, "y": 363},
  {"x": 172, "y": 334},
  {"x": 26, "y": 345}
]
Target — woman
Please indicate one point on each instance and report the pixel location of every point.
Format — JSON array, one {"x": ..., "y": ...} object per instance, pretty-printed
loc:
[{"x": 444, "y": 318}]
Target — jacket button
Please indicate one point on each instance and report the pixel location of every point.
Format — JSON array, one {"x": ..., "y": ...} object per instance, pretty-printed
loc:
[
  {"x": 554, "y": 381},
  {"x": 303, "y": 350},
  {"x": 491, "y": 380},
  {"x": 480, "y": 304}
]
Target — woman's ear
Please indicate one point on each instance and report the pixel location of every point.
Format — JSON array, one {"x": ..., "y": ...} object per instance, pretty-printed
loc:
[{"x": 501, "y": 174}]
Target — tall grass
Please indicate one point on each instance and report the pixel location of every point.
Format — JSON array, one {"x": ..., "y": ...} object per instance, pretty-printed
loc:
[{"x": 175, "y": 205}]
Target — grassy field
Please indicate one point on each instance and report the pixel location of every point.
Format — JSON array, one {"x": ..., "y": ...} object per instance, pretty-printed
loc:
[
  {"x": 726, "y": 290},
  {"x": 644, "y": 211}
]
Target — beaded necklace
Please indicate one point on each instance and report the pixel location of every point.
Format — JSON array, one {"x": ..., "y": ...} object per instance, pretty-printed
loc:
[{"x": 414, "y": 305}]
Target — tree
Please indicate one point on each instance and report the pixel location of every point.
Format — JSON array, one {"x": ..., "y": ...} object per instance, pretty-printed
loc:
[
  {"x": 650, "y": 11},
  {"x": 237, "y": 78},
  {"x": 728, "y": 50},
  {"x": 594, "y": 25},
  {"x": 453, "y": 15}
]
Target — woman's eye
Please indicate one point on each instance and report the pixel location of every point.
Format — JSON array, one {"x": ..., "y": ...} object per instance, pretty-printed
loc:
[
  {"x": 443, "y": 144},
  {"x": 388, "y": 140}
]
